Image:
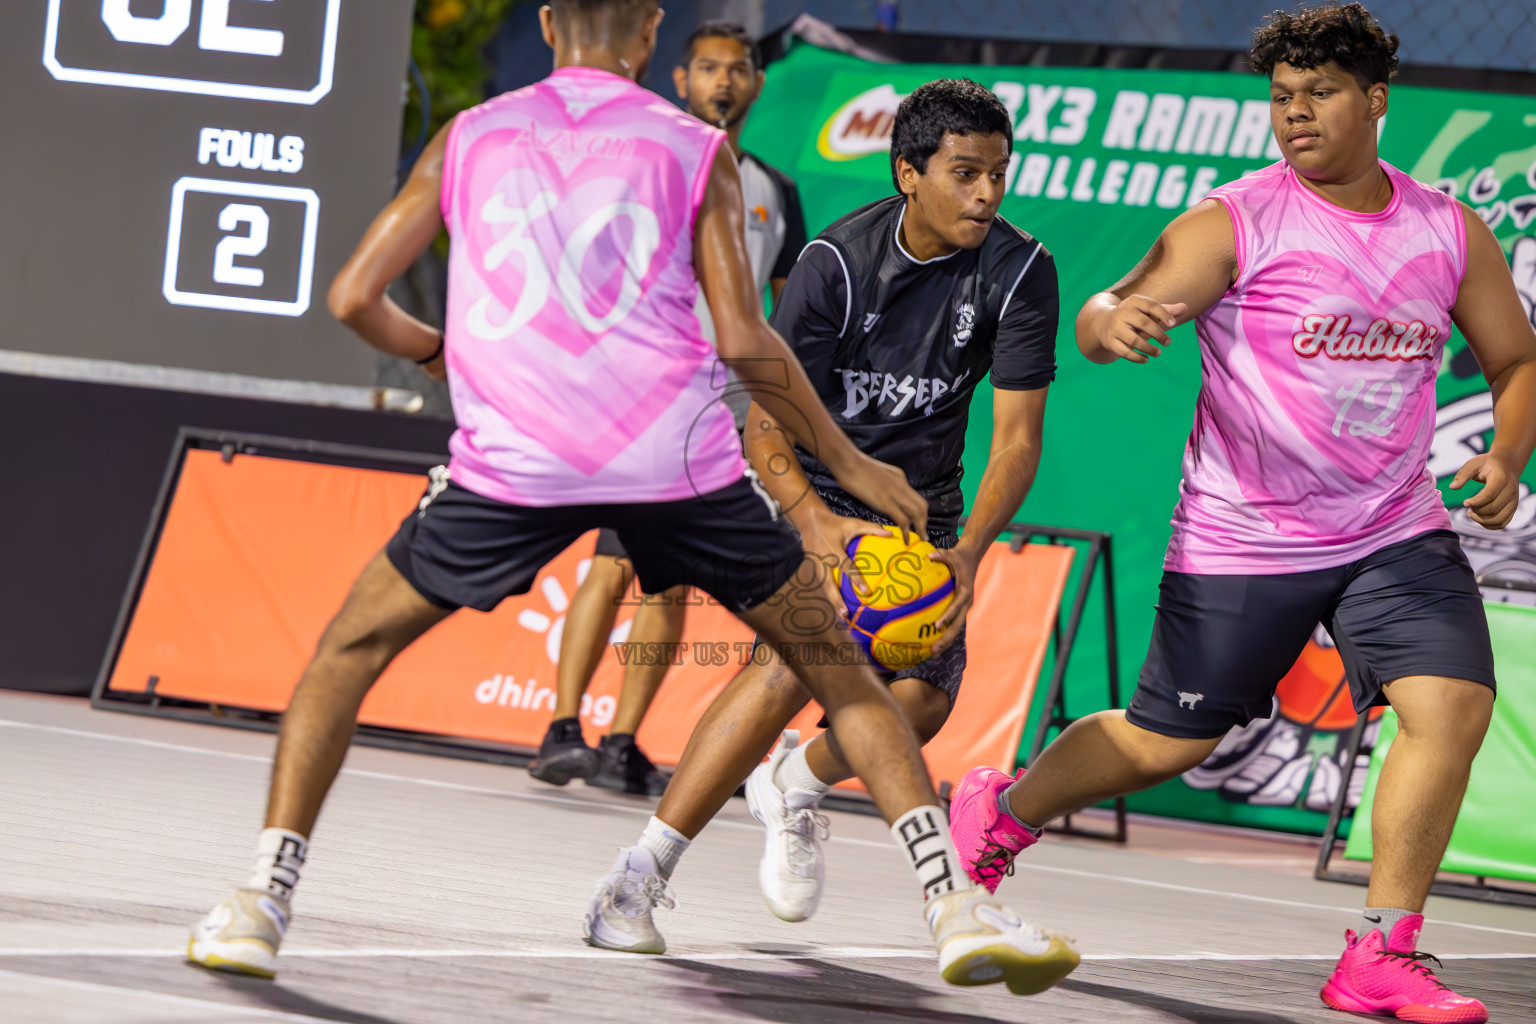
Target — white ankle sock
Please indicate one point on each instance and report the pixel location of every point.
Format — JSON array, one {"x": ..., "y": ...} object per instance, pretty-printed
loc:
[
  {"x": 794, "y": 773},
  {"x": 279, "y": 860},
  {"x": 664, "y": 843},
  {"x": 922, "y": 834}
]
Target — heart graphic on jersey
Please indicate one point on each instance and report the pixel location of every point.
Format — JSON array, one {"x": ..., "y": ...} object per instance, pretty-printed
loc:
[
  {"x": 560, "y": 252},
  {"x": 1328, "y": 398},
  {"x": 561, "y": 205}
]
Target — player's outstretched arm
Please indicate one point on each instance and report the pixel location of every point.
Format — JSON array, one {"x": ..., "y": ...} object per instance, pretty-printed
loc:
[
  {"x": 397, "y": 236},
  {"x": 1189, "y": 267},
  {"x": 1018, "y": 429},
  {"x": 1490, "y": 315},
  {"x": 767, "y": 366}
]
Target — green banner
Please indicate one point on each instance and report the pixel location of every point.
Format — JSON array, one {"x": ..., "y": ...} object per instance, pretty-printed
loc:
[
  {"x": 1103, "y": 160},
  {"x": 1495, "y": 833}
]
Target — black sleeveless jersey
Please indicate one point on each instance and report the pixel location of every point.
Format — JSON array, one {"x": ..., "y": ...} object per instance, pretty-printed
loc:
[{"x": 895, "y": 347}]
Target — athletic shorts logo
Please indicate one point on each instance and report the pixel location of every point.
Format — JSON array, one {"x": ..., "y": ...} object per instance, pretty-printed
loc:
[{"x": 1189, "y": 700}]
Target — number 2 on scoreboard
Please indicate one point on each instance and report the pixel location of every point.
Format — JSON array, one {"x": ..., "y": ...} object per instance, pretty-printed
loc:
[
  {"x": 253, "y": 220},
  {"x": 254, "y": 243}
]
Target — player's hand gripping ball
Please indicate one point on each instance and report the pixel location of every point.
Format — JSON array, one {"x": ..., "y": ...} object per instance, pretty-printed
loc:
[{"x": 905, "y": 594}]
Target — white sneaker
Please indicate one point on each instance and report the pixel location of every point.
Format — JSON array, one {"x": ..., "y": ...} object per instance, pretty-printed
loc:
[
  {"x": 619, "y": 915},
  {"x": 792, "y": 870},
  {"x": 982, "y": 942},
  {"x": 241, "y": 934}
]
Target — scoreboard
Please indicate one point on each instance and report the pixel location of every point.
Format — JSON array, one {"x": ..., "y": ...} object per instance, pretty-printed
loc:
[{"x": 181, "y": 179}]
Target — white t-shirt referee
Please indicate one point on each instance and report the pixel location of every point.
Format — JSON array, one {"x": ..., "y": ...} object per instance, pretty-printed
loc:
[{"x": 775, "y": 229}]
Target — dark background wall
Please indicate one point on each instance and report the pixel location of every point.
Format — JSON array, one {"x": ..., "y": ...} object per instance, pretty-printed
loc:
[
  {"x": 81, "y": 464},
  {"x": 87, "y": 183}
]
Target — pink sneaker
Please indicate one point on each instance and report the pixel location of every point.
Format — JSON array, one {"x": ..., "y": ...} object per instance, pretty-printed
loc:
[
  {"x": 986, "y": 839},
  {"x": 1372, "y": 978}
]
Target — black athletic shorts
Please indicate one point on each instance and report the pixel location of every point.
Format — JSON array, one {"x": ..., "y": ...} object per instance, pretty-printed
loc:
[
  {"x": 944, "y": 670},
  {"x": 1221, "y": 644},
  {"x": 459, "y": 549},
  {"x": 608, "y": 543}
]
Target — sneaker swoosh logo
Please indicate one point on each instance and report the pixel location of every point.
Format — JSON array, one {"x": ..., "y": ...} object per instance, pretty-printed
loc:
[
  {"x": 215, "y": 922},
  {"x": 1373, "y": 920},
  {"x": 276, "y": 913}
]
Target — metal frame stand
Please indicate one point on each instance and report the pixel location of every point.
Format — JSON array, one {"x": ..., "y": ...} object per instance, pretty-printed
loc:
[
  {"x": 1478, "y": 889},
  {"x": 1053, "y": 714},
  {"x": 230, "y": 444}
]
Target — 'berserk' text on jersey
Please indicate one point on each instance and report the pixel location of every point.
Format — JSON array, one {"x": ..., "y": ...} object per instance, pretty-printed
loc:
[{"x": 895, "y": 346}]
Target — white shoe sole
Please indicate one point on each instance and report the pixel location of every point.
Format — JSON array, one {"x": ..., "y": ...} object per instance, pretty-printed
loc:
[
  {"x": 989, "y": 959},
  {"x": 596, "y": 932},
  {"x": 250, "y": 956}
]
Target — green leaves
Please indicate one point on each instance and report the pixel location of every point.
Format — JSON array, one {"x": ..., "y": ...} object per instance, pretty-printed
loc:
[{"x": 448, "y": 40}]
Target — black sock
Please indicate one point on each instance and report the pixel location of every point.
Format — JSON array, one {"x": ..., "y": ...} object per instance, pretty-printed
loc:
[
  {"x": 564, "y": 730},
  {"x": 619, "y": 739}
]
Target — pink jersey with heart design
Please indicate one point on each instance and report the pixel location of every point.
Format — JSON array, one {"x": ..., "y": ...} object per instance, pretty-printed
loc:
[
  {"x": 1317, "y": 404},
  {"x": 578, "y": 371}
]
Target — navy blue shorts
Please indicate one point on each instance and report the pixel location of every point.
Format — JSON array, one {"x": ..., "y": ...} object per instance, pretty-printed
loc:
[
  {"x": 1221, "y": 644},
  {"x": 461, "y": 549}
]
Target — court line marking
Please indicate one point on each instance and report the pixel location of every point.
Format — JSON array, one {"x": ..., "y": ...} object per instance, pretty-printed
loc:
[
  {"x": 832, "y": 953},
  {"x": 1200, "y": 890},
  {"x": 359, "y": 772},
  {"x": 588, "y": 804},
  {"x": 204, "y": 1005},
  {"x": 1241, "y": 861}
]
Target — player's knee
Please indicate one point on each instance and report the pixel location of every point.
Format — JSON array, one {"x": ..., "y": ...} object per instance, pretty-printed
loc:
[
  {"x": 369, "y": 643},
  {"x": 1453, "y": 711},
  {"x": 608, "y": 574},
  {"x": 1155, "y": 755},
  {"x": 928, "y": 724},
  {"x": 927, "y": 709},
  {"x": 1174, "y": 755},
  {"x": 846, "y": 684}
]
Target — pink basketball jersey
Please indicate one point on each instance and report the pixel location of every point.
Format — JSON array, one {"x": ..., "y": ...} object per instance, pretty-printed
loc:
[
  {"x": 578, "y": 371},
  {"x": 1317, "y": 403}
]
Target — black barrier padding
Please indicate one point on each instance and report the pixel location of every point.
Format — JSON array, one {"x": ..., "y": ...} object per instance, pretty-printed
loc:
[{"x": 80, "y": 465}]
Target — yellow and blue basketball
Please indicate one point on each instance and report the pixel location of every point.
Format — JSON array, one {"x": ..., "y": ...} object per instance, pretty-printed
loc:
[{"x": 896, "y": 619}]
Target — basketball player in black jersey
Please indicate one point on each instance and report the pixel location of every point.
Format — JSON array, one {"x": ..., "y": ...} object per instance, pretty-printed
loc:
[{"x": 897, "y": 311}]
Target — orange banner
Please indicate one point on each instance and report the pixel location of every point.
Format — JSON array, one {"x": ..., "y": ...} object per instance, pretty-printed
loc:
[{"x": 257, "y": 554}]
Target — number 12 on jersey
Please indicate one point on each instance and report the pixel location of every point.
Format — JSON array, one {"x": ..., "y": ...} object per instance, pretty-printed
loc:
[{"x": 1384, "y": 397}]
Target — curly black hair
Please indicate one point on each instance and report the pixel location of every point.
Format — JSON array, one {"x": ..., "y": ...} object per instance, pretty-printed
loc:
[
  {"x": 1345, "y": 34},
  {"x": 942, "y": 106}
]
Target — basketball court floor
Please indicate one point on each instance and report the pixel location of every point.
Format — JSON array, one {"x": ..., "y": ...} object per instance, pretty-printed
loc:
[{"x": 451, "y": 891}]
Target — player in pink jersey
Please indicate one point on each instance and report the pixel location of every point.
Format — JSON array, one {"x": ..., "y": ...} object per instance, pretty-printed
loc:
[
  {"x": 585, "y": 213},
  {"x": 1323, "y": 289}
]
